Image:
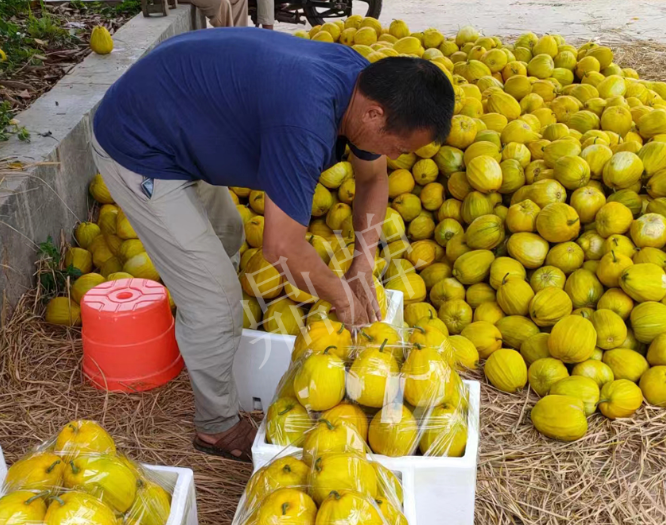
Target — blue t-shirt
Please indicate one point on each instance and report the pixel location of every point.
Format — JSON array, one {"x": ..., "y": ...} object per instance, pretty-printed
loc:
[{"x": 233, "y": 107}]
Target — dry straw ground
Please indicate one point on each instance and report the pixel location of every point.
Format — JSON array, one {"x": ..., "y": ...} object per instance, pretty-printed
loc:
[
  {"x": 41, "y": 389},
  {"x": 648, "y": 58},
  {"x": 616, "y": 474}
]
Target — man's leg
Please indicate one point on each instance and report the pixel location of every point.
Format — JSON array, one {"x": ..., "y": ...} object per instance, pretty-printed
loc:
[
  {"x": 240, "y": 12},
  {"x": 266, "y": 13},
  {"x": 174, "y": 227},
  {"x": 223, "y": 215},
  {"x": 219, "y": 12}
]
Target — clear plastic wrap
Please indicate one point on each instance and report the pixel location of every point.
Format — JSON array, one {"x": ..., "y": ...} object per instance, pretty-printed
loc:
[
  {"x": 398, "y": 388},
  {"x": 346, "y": 506},
  {"x": 83, "y": 437},
  {"x": 23, "y": 506},
  {"x": 444, "y": 431},
  {"x": 42, "y": 471},
  {"x": 106, "y": 477},
  {"x": 79, "y": 477},
  {"x": 78, "y": 507},
  {"x": 320, "y": 335},
  {"x": 324, "y": 487},
  {"x": 286, "y": 421},
  {"x": 151, "y": 506},
  {"x": 319, "y": 382}
]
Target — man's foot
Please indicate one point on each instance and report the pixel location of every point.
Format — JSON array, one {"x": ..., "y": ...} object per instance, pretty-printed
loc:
[
  {"x": 235, "y": 443},
  {"x": 266, "y": 26}
]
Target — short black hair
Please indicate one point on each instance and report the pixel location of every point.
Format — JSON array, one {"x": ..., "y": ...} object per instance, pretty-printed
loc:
[{"x": 415, "y": 94}]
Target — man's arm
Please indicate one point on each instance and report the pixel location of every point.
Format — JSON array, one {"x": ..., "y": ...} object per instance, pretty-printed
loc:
[
  {"x": 370, "y": 203},
  {"x": 286, "y": 248}
]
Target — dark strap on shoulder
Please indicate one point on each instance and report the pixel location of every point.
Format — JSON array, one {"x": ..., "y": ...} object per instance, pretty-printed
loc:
[{"x": 363, "y": 155}]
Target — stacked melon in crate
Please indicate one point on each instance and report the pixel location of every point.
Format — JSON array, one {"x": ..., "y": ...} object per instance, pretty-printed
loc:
[
  {"x": 371, "y": 427},
  {"x": 262, "y": 356},
  {"x": 79, "y": 477}
]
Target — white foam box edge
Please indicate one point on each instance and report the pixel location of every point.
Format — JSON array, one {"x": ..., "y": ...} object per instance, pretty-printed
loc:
[
  {"x": 183, "y": 499},
  {"x": 262, "y": 358},
  {"x": 433, "y": 487}
]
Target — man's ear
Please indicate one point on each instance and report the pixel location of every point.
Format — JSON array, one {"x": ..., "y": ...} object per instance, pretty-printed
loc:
[{"x": 373, "y": 112}]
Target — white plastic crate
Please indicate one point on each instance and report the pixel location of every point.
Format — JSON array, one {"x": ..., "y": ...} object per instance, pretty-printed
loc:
[
  {"x": 184, "y": 497},
  {"x": 181, "y": 483},
  {"x": 262, "y": 358},
  {"x": 437, "y": 490}
]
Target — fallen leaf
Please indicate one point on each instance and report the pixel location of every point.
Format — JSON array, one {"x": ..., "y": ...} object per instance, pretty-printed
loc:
[
  {"x": 15, "y": 84},
  {"x": 24, "y": 94},
  {"x": 40, "y": 42},
  {"x": 40, "y": 57}
]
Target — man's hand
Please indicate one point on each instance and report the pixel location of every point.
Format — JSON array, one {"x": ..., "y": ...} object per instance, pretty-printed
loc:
[
  {"x": 353, "y": 312},
  {"x": 286, "y": 248},
  {"x": 362, "y": 285}
]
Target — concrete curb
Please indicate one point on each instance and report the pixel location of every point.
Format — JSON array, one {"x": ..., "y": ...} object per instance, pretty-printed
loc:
[{"x": 48, "y": 198}]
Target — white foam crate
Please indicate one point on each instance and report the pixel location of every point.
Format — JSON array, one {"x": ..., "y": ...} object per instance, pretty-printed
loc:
[
  {"x": 180, "y": 481},
  {"x": 184, "y": 498},
  {"x": 434, "y": 487},
  {"x": 262, "y": 358}
]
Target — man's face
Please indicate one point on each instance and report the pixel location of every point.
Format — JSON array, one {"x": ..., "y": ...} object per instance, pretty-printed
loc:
[{"x": 376, "y": 138}]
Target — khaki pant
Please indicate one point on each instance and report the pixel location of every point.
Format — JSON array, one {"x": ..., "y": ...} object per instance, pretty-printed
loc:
[
  {"x": 223, "y": 13},
  {"x": 266, "y": 12},
  {"x": 191, "y": 231}
]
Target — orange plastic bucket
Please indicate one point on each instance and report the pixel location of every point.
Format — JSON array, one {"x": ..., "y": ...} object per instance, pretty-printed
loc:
[{"x": 129, "y": 341}]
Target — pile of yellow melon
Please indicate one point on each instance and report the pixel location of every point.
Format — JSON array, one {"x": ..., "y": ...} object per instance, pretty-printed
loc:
[
  {"x": 107, "y": 250},
  {"x": 537, "y": 231}
]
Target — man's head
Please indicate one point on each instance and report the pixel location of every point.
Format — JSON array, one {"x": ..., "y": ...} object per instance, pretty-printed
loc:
[{"x": 401, "y": 104}]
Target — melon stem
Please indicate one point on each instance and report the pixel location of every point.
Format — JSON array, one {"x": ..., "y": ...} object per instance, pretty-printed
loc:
[
  {"x": 285, "y": 410},
  {"x": 36, "y": 497},
  {"x": 52, "y": 466}
]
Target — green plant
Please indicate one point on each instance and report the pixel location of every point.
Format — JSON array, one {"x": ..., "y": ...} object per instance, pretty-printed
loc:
[
  {"x": 9, "y": 8},
  {"x": 24, "y": 33},
  {"x": 5, "y": 119},
  {"x": 52, "y": 277},
  {"x": 8, "y": 126},
  {"x": 125, "y": 8},
  {"x": 85, "y": 7},
  {"x": 6, "y": 116},
  {"x": 15, "y": 44},
  {"x": 46, "y": 28},
  {"x": 23, "y": 134}
]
